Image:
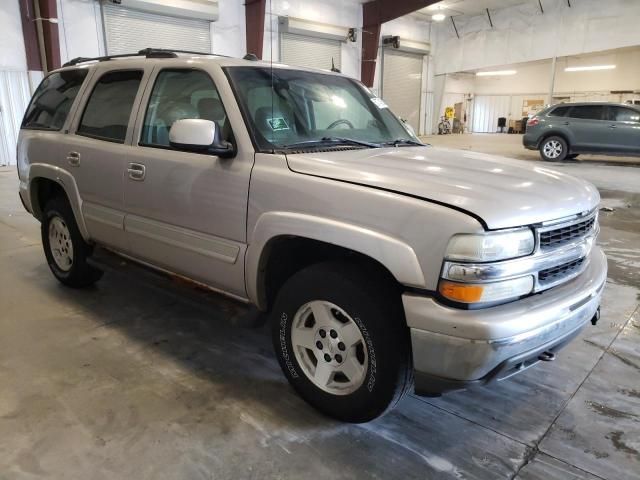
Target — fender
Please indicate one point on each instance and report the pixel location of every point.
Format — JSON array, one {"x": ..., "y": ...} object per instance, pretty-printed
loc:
[
  {"x": 68, "y": 184},
  {"x": 398, "y": 257}
]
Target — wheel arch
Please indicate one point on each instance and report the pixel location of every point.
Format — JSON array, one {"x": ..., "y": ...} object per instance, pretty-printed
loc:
[
  {"x": 555, "y": 133},
  {"x": 283, "y": 243},
  {"x": 46, "y": 181}
]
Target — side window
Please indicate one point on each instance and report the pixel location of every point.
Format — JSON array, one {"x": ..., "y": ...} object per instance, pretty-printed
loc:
[
  {"x": 52, "y": 101},
  {"x": 107, "y": 113},
  {"x": 559, "y": 112},
  {"x": 622, "y": 114},
  {"x": 587, "y": 112},
  {"x": 179, "y": 94}
]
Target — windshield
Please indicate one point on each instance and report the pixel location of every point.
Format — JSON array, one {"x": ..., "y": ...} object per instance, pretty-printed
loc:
[{"x": 308, "y": 109}]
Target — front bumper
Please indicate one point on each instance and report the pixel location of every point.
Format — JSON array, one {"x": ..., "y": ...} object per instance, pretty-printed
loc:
[{"x": 455, "y": 348}]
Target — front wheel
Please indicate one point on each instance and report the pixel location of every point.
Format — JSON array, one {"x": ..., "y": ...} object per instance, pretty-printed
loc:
[
  {"x": 554, "y": 149},
  {"x": 342, "y": 341}
]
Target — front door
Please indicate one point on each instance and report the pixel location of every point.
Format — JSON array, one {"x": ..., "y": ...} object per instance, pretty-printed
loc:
[
  {"x": 623, "y": 130},
  {"x": 96, "y": 150},
  {"x": 186, "y": 212}
]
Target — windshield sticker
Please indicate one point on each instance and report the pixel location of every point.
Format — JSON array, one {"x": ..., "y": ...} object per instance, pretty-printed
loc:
[
  {"x": 278, "y": 123},
  {"x": 378, "y": 102}
]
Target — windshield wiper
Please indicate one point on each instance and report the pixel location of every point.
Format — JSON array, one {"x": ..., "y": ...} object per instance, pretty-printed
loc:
[
  {"x": 325, "y": 141},
  {"x": 404, "y": 141}
]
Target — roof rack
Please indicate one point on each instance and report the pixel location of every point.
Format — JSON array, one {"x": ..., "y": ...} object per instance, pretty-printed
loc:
[{"x": 145, "y": 52}]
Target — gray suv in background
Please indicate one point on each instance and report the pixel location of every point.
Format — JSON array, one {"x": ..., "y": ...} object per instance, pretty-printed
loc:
[{"x": 566, "y": 130}]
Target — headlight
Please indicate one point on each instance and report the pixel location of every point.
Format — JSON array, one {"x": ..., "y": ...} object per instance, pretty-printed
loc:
[
  {"x": 486, "y": 292},
  {"x": 491, "y": 246}
]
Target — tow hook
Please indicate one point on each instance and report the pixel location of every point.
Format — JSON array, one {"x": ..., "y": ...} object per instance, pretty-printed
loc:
[
  {"x": 596, "y": 317},
  {"x": 547, "y": 356}
]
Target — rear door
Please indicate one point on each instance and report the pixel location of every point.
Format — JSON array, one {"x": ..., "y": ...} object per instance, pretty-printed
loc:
[
  {"x": 588, "y": 128},
  {"x": 624, "y": 129},
  {"x": 96, "y": 150}
]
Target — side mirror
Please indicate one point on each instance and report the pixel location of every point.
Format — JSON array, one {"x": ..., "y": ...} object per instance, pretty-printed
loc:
[{"x": 198, "y": 135}]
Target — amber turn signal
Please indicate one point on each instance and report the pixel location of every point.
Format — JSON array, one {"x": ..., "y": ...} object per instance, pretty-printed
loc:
[{"x": 459, "y": 292}]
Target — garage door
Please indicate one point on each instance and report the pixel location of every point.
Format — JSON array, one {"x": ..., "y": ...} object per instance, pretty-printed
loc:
[
  {"x": 312, "y": 52},
  {"x": 401, "y": 84},
  {"x": 128, "y": 30}
]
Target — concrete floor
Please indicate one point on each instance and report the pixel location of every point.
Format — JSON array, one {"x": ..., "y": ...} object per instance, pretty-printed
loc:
[{"x": 132, "y": 380}]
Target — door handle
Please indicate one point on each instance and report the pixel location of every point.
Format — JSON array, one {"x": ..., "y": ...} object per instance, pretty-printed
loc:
[
  {"x": 74, "y": 159},
  {"x": 137, "y": 171},
  {"x": 566, "y": 123},
  {"x": 613, "y": 126}
]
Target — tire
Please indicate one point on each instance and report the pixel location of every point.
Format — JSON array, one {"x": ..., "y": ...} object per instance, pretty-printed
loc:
[
  {"x": 65, "y": 249},
  {"x": 371, "y": 371},
  {"x": 554, "y": 149},
  {"x": 572, "y": 156}
]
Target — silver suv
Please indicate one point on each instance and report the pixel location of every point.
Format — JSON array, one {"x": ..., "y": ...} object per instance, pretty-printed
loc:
[
  {"x": 384, "y": 263},
  {"x": 564, "y": 131}
]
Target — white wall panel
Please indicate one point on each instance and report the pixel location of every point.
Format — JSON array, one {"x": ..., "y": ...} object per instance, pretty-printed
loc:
[
  {"x": 12, "y": 54},
  {"x": 486, "y": 111},
  {"x": 523, "y": 33},
  {"x": 14, "y": 98}
]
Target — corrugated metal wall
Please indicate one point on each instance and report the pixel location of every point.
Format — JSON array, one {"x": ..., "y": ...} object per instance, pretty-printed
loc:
[
  {"x": 486, "y": 111},
  {"x": 14, "y": 98}
]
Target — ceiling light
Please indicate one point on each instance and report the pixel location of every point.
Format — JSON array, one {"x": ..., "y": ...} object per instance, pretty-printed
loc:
[
  {"x": 589, "y": 68},
  {"x": 438, "y": 17},
  {"x": 497, "y": 72}
]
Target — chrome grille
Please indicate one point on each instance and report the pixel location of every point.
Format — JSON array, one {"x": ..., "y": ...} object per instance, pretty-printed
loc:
[
  {"x": 551, "y": 275},
  {"x": 566, "y": 233}
]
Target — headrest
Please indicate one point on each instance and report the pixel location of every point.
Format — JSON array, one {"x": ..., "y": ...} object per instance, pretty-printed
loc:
[
  {"x": 177, "y": 110},
  {"x": 211, "y": 109}
]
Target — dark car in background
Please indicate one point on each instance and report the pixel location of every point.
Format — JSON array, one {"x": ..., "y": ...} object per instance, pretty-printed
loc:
[{"x": 569, "y": 129}]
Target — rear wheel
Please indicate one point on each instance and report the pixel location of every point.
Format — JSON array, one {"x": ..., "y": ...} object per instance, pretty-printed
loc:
[
  {"x": 65, "y": 249},
  {"x": 554, "y": 149},
  {"x": 342, "y": 341}
]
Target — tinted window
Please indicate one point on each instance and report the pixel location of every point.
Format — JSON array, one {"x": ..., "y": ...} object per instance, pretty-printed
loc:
[
  {"x": 107, "y": 113},
  {"x": 180, "y": 94},
  {"x": 590, "y": 112},
  {"x": 559, "y": 112},
  {"x": 621, "y": 114},
  {"x": 52, "y": 101},
  {"x": 298, "y": 109}
]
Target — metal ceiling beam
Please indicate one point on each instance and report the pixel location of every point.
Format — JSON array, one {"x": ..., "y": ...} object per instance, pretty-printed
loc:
[
  {"x": 374, "y": 14},
  {"x": 254, "y": 11}
]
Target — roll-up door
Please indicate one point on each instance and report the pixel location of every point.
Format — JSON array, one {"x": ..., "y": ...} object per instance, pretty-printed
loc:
[
  {"x": 401, "y": 84},
  {"x": 128, "y": 30},
  {"x": 305, "y": 51}
]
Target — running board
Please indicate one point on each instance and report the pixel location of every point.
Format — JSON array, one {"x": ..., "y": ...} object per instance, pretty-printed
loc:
[{"x": 198, "y": 295}]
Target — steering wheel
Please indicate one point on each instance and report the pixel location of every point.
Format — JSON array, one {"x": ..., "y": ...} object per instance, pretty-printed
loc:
[{"x": 341, "y": 121}]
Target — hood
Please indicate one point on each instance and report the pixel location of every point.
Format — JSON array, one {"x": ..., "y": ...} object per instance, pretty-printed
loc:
[{"x": 501, "y": 191}]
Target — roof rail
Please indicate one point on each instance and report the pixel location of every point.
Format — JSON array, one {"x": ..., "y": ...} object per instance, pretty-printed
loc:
[{"x": 145, "y": 52}]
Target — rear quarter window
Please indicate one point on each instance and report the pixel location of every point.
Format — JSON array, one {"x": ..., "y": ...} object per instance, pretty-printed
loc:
[
  {"x": 52, "y": 101},
  {"x": 558, "y": 112}
]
